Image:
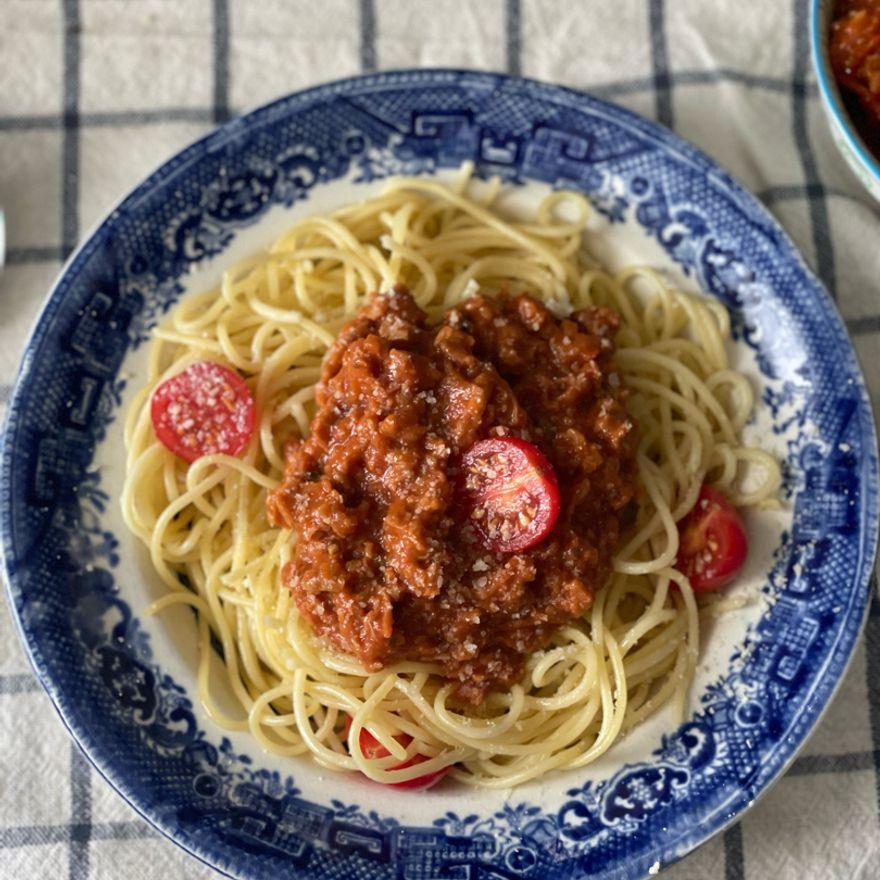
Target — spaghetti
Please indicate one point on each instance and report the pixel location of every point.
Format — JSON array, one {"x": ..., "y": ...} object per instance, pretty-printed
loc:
[{"x": 272, "y": 319}]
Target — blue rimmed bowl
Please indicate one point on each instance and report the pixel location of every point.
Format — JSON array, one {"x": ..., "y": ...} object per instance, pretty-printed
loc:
[
  {"x": 852, "y": 147},
  {"x": 125, "y": 685}
]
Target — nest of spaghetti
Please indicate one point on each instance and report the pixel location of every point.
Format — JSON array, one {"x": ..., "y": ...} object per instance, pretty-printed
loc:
[{"x": 381, "y": 599}]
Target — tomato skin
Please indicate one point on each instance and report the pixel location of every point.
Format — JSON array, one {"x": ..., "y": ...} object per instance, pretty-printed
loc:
[
  {"x": 509, "y": 493},
  {"x": 713, "y": 543},
  {"x": 203, "y": 410},
  {"x": 372, "y": 748}
]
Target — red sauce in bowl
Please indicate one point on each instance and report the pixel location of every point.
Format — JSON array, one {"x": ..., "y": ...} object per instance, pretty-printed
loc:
[
  {"x": 854, "y": 52},
  {"x": 390, "y": 562}
]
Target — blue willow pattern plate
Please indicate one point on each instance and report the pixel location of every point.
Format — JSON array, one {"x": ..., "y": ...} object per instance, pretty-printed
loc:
[{"x": 130, "y": 703}]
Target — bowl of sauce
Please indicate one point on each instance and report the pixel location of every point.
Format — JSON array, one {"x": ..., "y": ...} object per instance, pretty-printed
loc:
[{"x": 845, "y": 37}]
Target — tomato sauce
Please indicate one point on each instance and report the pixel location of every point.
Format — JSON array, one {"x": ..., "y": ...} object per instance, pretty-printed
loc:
[
  {"x": 854, "y": 51},
  {"x": 388, "y": 565}
]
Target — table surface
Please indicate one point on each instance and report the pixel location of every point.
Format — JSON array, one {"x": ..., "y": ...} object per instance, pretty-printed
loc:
[{"x": 96, "y": 93}]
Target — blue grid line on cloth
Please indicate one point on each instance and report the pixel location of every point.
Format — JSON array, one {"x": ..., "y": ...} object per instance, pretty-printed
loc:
[
  {"x": 37, "y": 122},
  {"x": 863, "y": 326},
  {"x": 818, "y": 207},
  {"x": 146, "y": 117},
  {"x": 70, "y": 131},
  {"x": 848, "y": 762},
  {"x": 22, "y": 683},
  {"x": 111, "y": 118},
  {"x": 221, "y": 60},
  {"x": 43, "y": 835},
  {"x": 17, "y": 256},
  {"x": 616, "y": 88},
  {"x": 660, "y": 62},
  {"x": 124, "y": 831},
  {"x": 513, "y": 34},
  {"x": 33, "y": 835},
  {"x": 80, "y": 814},
  {"x": 741, "y": 77},
  {"x": 734, "y": 860},
  {"x": 80, "y": 772},
  {"x": 872, "y": 644},
  {"x": 785, "y": 192},
  {"x": 368, "y": 35}
]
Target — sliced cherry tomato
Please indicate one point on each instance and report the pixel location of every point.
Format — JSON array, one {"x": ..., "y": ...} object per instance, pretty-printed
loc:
[
  {"x": 713, "y": 542},
  {"x": 372, "y": 748},
  {"x": 203, "y": 410},
  {"x": 509, "y": 492}
]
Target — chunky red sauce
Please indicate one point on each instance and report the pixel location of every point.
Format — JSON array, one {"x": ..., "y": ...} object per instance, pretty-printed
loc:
[
  {"x": 854, "y": 51},
  {"x": 387, "y": 564}
]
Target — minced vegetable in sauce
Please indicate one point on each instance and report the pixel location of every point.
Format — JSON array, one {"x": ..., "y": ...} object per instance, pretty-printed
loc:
[{"x": 388, "y": 563}]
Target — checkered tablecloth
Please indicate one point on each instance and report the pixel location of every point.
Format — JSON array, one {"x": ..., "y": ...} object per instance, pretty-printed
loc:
[{"x": 95, "y": 93}]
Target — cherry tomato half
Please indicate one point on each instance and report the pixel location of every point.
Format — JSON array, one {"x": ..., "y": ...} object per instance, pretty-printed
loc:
[
  {"x": 372, "y": 748},
  {"x": 203, "y": 410},
  {"x": 713, "y": 542},
  {"x": 509, "y": 492}
]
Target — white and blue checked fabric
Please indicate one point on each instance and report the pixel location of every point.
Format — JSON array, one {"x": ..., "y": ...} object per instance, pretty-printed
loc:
[{"x": 95, "y": 93}]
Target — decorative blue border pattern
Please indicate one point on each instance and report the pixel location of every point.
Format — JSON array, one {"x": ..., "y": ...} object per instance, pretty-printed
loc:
[{"x": 138, "y": 725}]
